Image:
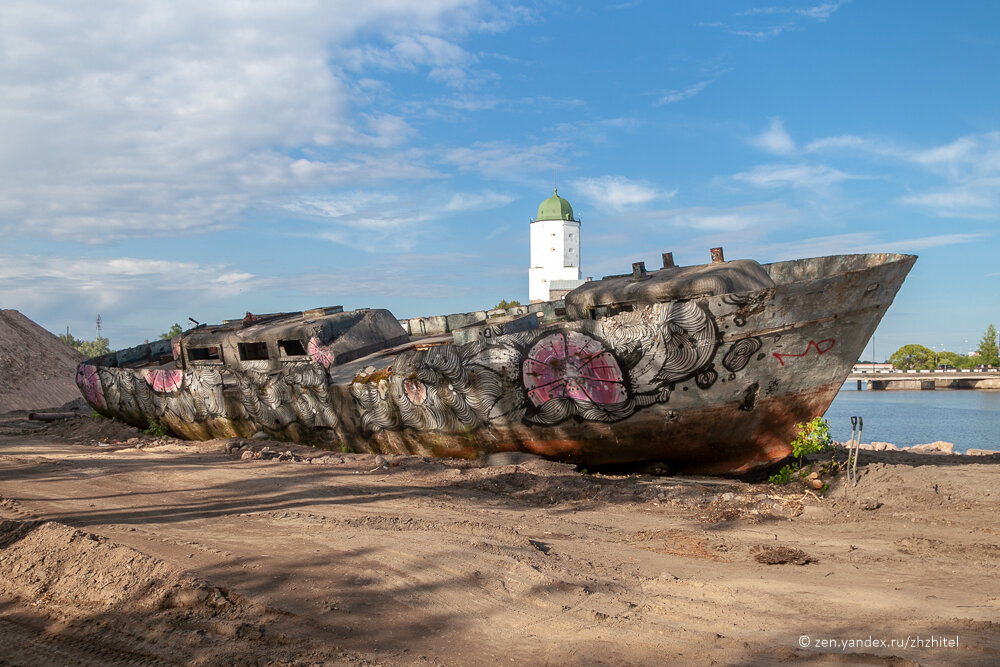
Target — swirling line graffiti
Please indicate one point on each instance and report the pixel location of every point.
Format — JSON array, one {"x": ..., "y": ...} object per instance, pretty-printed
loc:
[
  {"x": 603, "y": 373},
  {"x": 596, "y": 370},
  {"x": 739, "y": 353},
  {"x": 300, "y": 393},
  {"x": 747, "y": 304}
]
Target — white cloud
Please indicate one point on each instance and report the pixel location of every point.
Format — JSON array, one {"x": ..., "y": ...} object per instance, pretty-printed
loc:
[
  {"x": 476, "y": 201},
  {"x": 672, "y": 96},
  {"x": 775, "y": 139},
  {"x": 57, "y": 291},
  {"x": 810, "y": 177},
  {"x": 819, "y": 12},
  {"x": 976, "y": 200},
  {"x": 379, "y": 221},
  {"x": 506, "y": 160},
  {"x": 755, "y": 22},
  {"x": 372, "y": 221},
  {"x": 971, "y": 156},
  {"x": 765, "y": 216},
  {"x": 857, "y": 242},
  {"x": 617, "y": 192},
  {"x": 124, "y": 120},
  {"x": 111, "y": 283},
  {"x": 343, "y": 205},
  {"x": 850, "y": 142},
  {"x": 835, "y": 244},
  {"x": 768, "y": 33},
  {"x": 957, "y": 151},
  {"x": 925, "y": 242}
]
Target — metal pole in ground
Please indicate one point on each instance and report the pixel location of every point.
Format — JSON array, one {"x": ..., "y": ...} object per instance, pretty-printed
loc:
[{"x": 861, "y": 427}]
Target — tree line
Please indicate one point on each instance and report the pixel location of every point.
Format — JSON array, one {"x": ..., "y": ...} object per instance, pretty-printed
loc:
[
  {"x": 917, "y": 357},
  {"x": 101, "y": 345}
]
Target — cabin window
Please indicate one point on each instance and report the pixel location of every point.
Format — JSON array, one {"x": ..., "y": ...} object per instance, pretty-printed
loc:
[
  {"x": 204, "y": 354},
  {"x": 291, "y": 348},
  {"x": 253, "y": 351}
]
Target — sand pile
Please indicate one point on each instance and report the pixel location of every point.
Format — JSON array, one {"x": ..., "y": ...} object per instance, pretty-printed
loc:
[
  {"x": 37, "y": 370},
  {"x": 108, "y": 604}
]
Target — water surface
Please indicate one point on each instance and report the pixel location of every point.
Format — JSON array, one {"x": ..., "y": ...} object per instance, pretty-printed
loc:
[{"x": 968, "y": 418}]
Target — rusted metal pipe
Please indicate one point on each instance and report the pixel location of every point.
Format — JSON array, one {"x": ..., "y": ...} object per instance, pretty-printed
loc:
[{"x": 717, "y": 257}]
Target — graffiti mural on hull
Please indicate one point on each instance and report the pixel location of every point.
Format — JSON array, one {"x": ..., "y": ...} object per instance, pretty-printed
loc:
[
  {"x": 703, "y": 366},
  {"x": 603, "y": 372}
]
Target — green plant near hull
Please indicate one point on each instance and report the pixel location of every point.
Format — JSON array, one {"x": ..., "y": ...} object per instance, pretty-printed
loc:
[
  {"x": 813, "y": 437},
  {"x": 156, "y": 429}
]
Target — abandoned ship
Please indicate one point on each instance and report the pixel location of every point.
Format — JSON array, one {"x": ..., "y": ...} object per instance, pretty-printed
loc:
[{"x": 708, "y": 368}]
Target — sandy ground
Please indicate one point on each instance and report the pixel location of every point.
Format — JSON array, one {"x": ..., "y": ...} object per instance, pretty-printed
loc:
[{"x": 119, "y": 548}]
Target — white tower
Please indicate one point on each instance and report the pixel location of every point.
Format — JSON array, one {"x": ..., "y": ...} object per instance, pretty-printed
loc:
[{"x": 555, "y": 249}]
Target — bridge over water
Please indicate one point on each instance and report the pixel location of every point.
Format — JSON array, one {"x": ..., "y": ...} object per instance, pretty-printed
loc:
[{"x": 880, "y": 380}]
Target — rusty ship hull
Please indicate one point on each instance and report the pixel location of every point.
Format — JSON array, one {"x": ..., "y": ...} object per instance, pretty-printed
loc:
[{"x": 707, "y": 368}]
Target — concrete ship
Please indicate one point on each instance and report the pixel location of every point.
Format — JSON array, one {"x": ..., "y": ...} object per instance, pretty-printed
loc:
[{"x": 707, "y": 368}]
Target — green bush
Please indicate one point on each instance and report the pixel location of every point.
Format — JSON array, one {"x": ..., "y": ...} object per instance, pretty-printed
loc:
[
  {"x": 783, "y": 476},
  {"x": 814, "y": 436},
  {"x": 156, "y": 429}
]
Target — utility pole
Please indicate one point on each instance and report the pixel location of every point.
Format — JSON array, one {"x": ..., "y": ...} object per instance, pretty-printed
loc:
[{"x": 98, "y": 325}]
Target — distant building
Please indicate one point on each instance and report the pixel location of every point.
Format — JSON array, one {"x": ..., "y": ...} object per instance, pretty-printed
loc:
[
  {"x": 554, "y": 267},
  {"x": 872, "y": 368}
]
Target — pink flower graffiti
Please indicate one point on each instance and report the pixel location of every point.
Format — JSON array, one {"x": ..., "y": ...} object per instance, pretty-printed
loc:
[
  {"x": 320, "y": 353},
  {"x": 162, "y": 380},
  {"x": 415, "y": 391},
  {"x": 572, "y": 365},
  {"x": 89, "y": 383}
]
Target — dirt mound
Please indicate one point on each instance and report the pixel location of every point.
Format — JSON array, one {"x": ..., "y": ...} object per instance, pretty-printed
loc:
[
  {"x": 37, "y": 370},
  {"x": 86, "y": 428},
  {"x": 143, "y": 607}
]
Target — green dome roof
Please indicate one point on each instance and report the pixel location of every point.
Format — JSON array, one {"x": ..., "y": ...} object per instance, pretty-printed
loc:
[{"x": 555, "y": 208}]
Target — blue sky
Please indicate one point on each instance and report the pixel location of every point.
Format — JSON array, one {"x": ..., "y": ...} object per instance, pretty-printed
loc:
[{"x": 163, "y": 160}]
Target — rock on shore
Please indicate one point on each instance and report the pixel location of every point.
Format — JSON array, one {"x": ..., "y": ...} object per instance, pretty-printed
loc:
[{"x": 936, "y": 447}]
